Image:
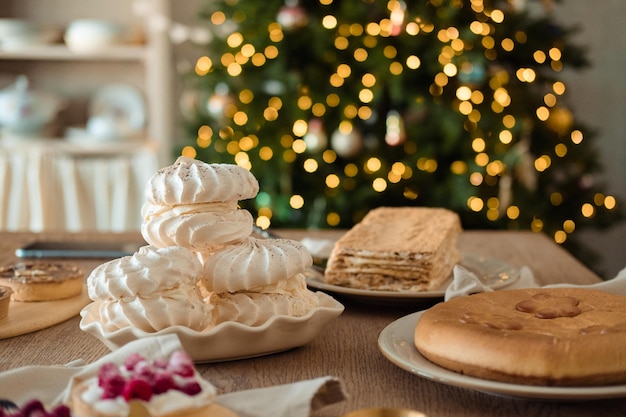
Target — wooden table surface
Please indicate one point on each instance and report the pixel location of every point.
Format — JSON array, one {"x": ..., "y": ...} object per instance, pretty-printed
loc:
[{"x": 347, "y": 348}]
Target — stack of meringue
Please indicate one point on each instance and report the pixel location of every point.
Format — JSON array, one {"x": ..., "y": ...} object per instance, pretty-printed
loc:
[{"x": 193, "y": 222}]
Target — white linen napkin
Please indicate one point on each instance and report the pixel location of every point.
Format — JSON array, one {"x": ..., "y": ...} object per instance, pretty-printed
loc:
[
  {"x": 318, "y": 248},
  {"x": 52, "y": 384},
  {"x": 466, "y": 282}
]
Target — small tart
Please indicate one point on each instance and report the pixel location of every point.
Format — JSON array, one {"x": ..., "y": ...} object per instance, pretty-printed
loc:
[
  {"x": 5, "y": 300},
  {"x": 173, "y": 388},
  {"x": 42, "y": 281}
]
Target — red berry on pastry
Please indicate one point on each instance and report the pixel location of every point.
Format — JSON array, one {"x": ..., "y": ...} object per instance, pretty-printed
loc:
[
  {"x": 132, "y": 360},
  {"x": 163, "y": 383},
  {"x": 137, "y": 389},
  {"x": 180, "y": 364},
  {"x": 111, "y": 380}
]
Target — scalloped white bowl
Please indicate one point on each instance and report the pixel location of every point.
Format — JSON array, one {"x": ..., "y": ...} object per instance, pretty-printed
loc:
[{"x": 228, "y": 340}]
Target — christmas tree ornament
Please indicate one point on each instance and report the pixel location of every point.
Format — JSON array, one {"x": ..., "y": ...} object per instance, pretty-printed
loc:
[
  {"x": 316, "y": 139},
  {"x": 218, "y": 102},
  {"x": 395, "y": 134},
  {"x": 292, "y": 16},
  {"x": 472, "y": 73},
  {"x": 274, "y": 87},
  {"x": 347, "y": 143},
  {"x": 560, "y": 120},
  {"x": 397, "y": 16}
]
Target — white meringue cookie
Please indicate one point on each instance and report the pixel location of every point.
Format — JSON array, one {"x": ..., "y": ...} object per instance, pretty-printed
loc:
[
  {"x": 150, "y": 270},
  {"x": 150, "y": 210},
  {"x": 199, "y": 232},
  {"x": 181, "y": 306},
  {"x": 254, "y": 263},
  {"x": 191, "y": 181},
  {"x": 253, "y": 308}
]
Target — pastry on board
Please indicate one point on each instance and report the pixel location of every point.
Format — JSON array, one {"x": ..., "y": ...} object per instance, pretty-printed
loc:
[{"x": 42, "y": 281}]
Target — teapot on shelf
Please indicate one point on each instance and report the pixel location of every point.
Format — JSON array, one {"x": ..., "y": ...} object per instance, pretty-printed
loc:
[{"x": 24, "y": 112}]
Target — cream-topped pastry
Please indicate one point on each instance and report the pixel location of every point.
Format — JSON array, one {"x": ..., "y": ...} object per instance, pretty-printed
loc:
[
  {"x": 255, "y": 306},
  {"x": 153, "y": 289},
  {"x": 254, "y": 263},
  {"x": 165, "y": 387},
  {"x": 190, "y": 181}
]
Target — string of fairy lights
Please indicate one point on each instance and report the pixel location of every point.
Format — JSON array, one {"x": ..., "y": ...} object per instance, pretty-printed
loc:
[{"x": 472, "y": 102}]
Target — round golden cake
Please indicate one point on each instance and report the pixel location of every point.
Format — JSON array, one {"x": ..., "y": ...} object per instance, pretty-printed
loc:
[
  {"x": 537, "y": 336},
  {"x": 5, "y": 300},
  {"x": 42, "y": 281}
]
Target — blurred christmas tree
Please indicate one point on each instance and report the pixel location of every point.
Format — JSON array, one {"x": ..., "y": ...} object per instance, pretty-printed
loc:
[{"x": 341, "y": 106}]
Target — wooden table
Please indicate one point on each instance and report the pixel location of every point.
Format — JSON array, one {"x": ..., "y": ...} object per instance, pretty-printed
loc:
[{"x": 347, "y": 348}]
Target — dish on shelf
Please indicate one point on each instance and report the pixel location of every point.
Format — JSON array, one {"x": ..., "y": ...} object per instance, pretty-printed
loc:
[
  {"x": 492, "y": 272},
  {"x": 89, "y": 35},
  {"x": 16, "y": 34},
  {"x": 228, "y": 340},
  {"x": 116, "y": 111},
  {"x": 396, "y": 344}
]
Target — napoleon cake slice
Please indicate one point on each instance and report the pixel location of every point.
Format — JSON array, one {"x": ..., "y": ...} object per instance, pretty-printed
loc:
[{"x": 397, "y": 249}]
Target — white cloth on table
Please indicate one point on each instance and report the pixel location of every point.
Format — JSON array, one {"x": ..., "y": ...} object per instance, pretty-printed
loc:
[
  {"x": 466, "y": 282},
  {"x": 52, "y": 384}
]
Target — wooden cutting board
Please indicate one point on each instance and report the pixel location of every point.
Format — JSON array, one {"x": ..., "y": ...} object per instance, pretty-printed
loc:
[{"x": 27, "y": 317}]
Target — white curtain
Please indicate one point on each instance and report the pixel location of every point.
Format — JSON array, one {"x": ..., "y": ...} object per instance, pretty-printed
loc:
[{"x": 46, "y": 189}]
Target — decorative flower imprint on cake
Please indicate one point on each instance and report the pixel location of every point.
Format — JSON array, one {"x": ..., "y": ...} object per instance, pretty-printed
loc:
[
  {"x": 545, "y": 306},
  {"x": 493, "y": 321}
]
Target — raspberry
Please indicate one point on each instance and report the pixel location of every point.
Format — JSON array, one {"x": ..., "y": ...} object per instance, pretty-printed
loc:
[
  {"x": 146, "y": 371},
  {"x": 163, "y": 383},
  {"x": 189, "y": 387},
  {"x": 111, "y": 380},
  {"x": 132, "y": 360},
  {"x": 160, "y": 363},
  {"x": 33, "y": 408},
  {"x": 181, "y": 364},
  {"x": 138, "y": 389},
  {"x": 60, "y": 411}
]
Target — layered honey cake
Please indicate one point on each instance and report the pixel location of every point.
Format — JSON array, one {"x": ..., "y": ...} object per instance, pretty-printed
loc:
[
  {"x": 397, "y": 249},
  {"x": 537, "y": 336}
]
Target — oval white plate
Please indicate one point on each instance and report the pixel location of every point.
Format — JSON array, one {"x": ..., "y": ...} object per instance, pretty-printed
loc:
[
  {"x": 396, "y": 344},
  {"x": 228, "y": 340},
  {"x": 492, "y": 272}
]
